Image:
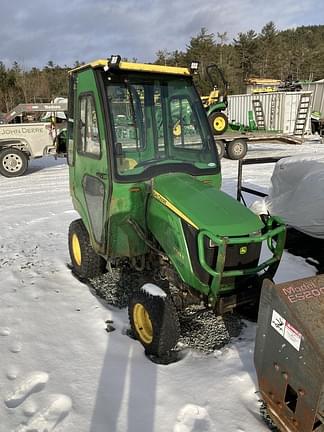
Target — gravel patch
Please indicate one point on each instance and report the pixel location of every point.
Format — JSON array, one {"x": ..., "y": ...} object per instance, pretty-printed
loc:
[
  {"x": 115, "y": 287},
  {"x": 200, "y": 329},
  {"x": 266, "y": 417},
  {"x": 203, "y": 331}
]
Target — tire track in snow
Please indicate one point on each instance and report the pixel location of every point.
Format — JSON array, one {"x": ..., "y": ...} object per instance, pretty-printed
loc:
[
  {"x": 49, "y": 203},
  {"x": 41, "y": 205}
]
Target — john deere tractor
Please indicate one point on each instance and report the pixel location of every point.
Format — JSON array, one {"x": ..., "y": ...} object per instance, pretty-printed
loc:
[
  {"x": 216, "y": 102},
  {"x": 145, "y": 179}
]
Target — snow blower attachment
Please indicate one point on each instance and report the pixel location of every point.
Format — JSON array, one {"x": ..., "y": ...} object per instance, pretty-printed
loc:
[
  {"x": 289, "y": 353},
  {"x": 145, "y": 180}
]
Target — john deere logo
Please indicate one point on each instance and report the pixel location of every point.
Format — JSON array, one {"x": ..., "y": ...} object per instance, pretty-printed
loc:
[{"x": 243, "y": 250}]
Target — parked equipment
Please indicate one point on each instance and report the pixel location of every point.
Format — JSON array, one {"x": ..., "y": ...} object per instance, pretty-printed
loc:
[
  {"x": 264, "y": 118},
  {"x": 234, "y": 144},
  {"x": 289, "y": 353},
  {"x": 317, "y": 123},
  {"x": 26, "y": 135},
  {"x": 150, "y": 198},
  {"x": 289, "y": 346},
  {"x": 279, "y": 113},
  {"x": 215, "y": 103}
]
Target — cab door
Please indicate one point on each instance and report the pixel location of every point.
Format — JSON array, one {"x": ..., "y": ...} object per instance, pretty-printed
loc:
[{"x": 91, "y": 181}]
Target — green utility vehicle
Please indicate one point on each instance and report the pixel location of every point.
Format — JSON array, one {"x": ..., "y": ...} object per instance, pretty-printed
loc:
[
  {"x": 216, "y": 102},
  {"x": 145, "y": 179}
]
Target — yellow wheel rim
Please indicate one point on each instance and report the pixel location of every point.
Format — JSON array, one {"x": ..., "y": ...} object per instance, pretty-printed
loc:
[
  {"x": 177, "y": 130},
  {"x": 142, "y": 323},
  {"x": 76, "y": 249},
  {"x": 219, "y": 124}
]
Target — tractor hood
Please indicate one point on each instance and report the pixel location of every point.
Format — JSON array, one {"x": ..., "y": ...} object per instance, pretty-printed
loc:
[{"x": 203, "y": 206}]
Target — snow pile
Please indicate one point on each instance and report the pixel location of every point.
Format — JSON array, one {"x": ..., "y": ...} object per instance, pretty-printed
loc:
[
  {"x": 153, "y": 290},
  {"x": 297, "y": 193}
]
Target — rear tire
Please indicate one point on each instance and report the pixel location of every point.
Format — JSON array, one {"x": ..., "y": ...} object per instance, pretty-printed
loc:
[
  {"x": 86, "y": 263},
  {"x": 13, "y": 162},
  {"x": 154, "y": 320},
  {"x": 218, "y": 122},
  {"x": 220, "y": 145},
  {"x": 236, "y": 149}
]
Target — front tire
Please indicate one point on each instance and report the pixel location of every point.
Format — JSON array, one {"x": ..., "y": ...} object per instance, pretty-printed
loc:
[
  {"x": 13, "y": 162},
  {"x": 218, "y": 122},
  {"x": 154, "y": 320},
  {"x": 86, "y": 263}
]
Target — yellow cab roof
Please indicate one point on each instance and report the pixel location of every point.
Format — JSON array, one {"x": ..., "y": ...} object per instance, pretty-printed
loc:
[{"x": 136, "y": 67}]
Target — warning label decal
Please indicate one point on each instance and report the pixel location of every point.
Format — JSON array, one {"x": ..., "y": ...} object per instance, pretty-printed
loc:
[{"x": 287, "y": 331}]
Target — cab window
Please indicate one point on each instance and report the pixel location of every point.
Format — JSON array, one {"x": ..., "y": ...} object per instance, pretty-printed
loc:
[
  {"x": 88, "y": 141},
  {"x": 186, "y": 132},
  {"x": 128, "y": 116}
]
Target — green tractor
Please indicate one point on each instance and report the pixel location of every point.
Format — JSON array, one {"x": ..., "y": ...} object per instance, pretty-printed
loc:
[
  {"x": 216, "y": 102},
  {"x": 145, "y": 180}
]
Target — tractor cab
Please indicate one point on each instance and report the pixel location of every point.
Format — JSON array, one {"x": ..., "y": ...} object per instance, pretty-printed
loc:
[{"x": 158, "y": 126}]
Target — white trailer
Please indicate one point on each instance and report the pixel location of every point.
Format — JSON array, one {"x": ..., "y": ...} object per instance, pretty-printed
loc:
[
  {"x": 234, "y": 145},
  {"x": 282, "y": 117}
]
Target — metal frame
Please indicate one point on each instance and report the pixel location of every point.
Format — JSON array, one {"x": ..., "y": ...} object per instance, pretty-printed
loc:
[
  {"x": 41, "y": 107},
  {"x": 251, "y": 161},
  {"x": 218, "y": 273}
]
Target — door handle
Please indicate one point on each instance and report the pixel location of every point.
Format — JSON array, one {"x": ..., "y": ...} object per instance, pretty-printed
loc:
[{"x": 103, "y": 176}]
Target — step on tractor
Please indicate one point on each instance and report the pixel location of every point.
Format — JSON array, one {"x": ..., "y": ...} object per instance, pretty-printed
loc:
[
  {"x": 145, "y": 179},
  {"x": 216, "y": 102}
]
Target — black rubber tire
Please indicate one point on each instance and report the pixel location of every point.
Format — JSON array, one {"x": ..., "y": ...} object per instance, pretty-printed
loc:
[
  {"x": 164, "y": 319},
  {"x": 13, "y": 162},
  {"x": 89, "y": 264},
  {"x": 236, "y": 149},
  {"x": 220, "y": 145},
  {"x": 223, "y": 120},
  {"x": 250, "y": 311}
]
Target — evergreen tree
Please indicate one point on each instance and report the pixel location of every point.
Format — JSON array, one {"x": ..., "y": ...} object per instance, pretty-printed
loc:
[{"x": 246, "y": 47}]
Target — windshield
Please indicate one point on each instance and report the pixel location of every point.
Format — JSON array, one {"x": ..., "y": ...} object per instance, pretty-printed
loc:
[{"x": 159, "y": 125}]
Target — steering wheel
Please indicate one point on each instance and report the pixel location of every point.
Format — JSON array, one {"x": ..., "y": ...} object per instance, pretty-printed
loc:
[{"x": 146, "y": 162}]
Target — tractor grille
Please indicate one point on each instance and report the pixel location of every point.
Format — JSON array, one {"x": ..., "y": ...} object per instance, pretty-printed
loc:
[{"x": 237, "y": 258}]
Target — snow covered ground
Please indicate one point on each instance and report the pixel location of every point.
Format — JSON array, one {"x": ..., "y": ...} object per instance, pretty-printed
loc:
[{"x": 60, "y": 370}]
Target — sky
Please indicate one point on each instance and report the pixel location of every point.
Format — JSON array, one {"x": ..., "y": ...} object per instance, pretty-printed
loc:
[{"x": 64, "y": 31}]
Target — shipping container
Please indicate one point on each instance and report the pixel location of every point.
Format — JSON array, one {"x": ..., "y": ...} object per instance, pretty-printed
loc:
[{"x": 282, "y": 110}]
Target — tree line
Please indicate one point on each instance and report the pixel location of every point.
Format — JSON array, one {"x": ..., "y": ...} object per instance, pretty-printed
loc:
[{"x": 297, "y": 53}]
